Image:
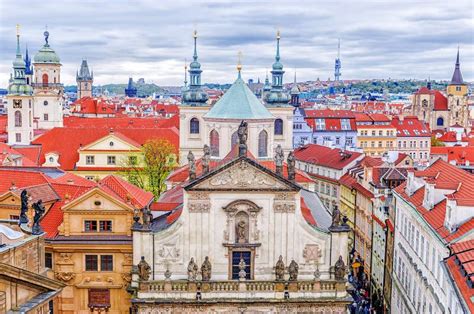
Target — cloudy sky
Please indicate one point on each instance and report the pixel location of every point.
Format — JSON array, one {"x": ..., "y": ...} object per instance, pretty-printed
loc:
[{"x": 151, "y": 39}]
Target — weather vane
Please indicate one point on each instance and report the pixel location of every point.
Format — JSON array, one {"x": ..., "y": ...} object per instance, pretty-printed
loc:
[{"x": 46, "y": 34}]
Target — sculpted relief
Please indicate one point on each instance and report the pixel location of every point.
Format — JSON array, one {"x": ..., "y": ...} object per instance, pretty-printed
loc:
[{"x": 311, "y": 253}]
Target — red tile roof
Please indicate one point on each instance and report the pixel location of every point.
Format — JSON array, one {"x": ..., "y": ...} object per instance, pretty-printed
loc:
[
  {"x": 446, "y": 176},
  {"x": 349, "y": 181},
  {"x": 460, "y": 265},
  {"x": 20, "y": 179},
  {"x": 325, "y": 156},
  {"x": 6, "y": 151},
  {"x": 126, "y": 191},
  {"x": 332, "y": 119},
  {"x": 460, "y": 155},
  {"x": 441, "y": 102},
  {"x": 55, "y": 139},
  {"x": 97, "y": 106},
  {"x": 411, "y": 127},
  {"x": 31, "y": 152}
]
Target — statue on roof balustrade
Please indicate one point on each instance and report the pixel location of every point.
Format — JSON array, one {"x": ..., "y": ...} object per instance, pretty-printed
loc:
[
  {"x": 242, "y": 132},
  {"x": 144, "y": 270},
  {"x": 206, "y": 159},
  {"x": 192, "y": 270},
  {"x": 24, "y": 207},
  {"x": 39, "y": 211},
  {"x": 279, "y": 158},
  {"x": 293, "y": 270},
  {"x": 290, "y": 160},
  {"x": 280, "y": 269},
  {"x": 206, "y": 269},
  {"x": 192, "y": 166}
]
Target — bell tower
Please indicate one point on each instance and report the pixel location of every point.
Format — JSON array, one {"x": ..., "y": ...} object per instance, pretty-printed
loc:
[
  {"x": 84, "y": 80},
  {"x": 20, "y": 102},
  {"x": 457, "y": 98}
]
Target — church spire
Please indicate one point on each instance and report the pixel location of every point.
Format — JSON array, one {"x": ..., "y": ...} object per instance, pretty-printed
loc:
[
  {"x": 337, "y": 62},
  {"x": 457, "y": 76},
  {"x": 18, "y": 83},
  {"x": 277, "y": 96},
  {"x": 194, "y": 95}
]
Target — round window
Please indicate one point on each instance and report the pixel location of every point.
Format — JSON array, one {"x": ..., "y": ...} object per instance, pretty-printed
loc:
[
  {"x": 45, "y": 103},
  {"x": 111, "y": 143},
  {"x": 97, "y": 203},
  {"x": 51, "y": 159}
]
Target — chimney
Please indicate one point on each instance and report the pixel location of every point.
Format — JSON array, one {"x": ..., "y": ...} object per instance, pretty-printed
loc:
[{"x": 429, "y": 198}]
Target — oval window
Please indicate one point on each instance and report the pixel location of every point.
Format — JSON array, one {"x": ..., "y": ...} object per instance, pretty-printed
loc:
[{"x": 45, "y": 103}]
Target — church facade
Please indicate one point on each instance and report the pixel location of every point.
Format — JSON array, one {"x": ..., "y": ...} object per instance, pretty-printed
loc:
[
  {"x": 241, "y": 233},
  {"x": 442, "y": 111}
]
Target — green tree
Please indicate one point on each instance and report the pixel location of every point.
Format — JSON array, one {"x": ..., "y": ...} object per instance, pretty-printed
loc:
[
  {"x": 436, "y": 142},
  {"x": 149, "y": 168}
]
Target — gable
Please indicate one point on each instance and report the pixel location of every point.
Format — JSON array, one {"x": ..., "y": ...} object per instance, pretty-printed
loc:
[
  {"x": 242, "y": 174},
  {"x": 96, "y": 200},
  {"x": 112, "y": 142}
]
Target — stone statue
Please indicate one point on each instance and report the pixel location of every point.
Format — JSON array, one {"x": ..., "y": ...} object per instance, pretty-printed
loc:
[
  {"x": 339, "y": 269},
  {"x": 291, "y": 166},
  {"x": 206, "y": 269},
  {"x": 241, "y": 232},
  {"x": 192, "y": 166},
  {"x": 336, "y": 217},
  {"x": 293, "y": 270},
  {"x": 242, "y": 133},
  {"x": 24, "y": 207},
  {"x": 206, "y": 158},
  {"x": 192, "y": 270},
  {"x": 144, "y": 270},
  {"x": 146, "y": 218},
  {"x": 39, "y": 211},
  {"x": 280, "y": 270},
  {"x": 279, "y": 157},
  {"x": 242, "y": 272}
]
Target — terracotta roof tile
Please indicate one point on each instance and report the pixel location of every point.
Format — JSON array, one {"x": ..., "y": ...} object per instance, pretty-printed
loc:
[{"x": 325, "y": 156}]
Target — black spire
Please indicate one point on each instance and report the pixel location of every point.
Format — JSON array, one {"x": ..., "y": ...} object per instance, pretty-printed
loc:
[{"x": 457, "y": 76}]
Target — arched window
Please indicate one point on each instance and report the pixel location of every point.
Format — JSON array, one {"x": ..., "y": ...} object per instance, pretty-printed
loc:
[
  {"x": 194, "y": 126},
  {"x": 262, "y": 144},
  {"x": 45, "y": 79},
  {"x": 214, "y": 140},
  {"x": 278, "y": 127},
  {"x": 234, "y": 140},
  {"x": 440, "y": 121},
  {"x": 17, "y": 118}
]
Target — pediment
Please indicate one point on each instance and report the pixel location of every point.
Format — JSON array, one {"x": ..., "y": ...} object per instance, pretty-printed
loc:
[
  {"x": 242, "y": 174},
  {"x": 112, "y": 142},
  {"x": 97, "y": 201}
]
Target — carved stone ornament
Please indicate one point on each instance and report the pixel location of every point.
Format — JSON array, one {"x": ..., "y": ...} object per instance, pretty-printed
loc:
[
  {"x": 127, "y": 278},
  {"x": 127, "y": 259},
  {"x": 169, "y": 252},
  {"x": 243, "y": 175},
  {"x": 311, "y": 253},
  {"x": 65, "y": 276},
  {"x": 199, "y": 202},
  {"x": 65, "y": 258},
  {"x": 284, "y": 207}
]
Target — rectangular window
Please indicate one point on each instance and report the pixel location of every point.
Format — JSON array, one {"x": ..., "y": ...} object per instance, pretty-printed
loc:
[
  {"x": 91, "y": 263},
  {"x": 236, "y": 257},
  {"x": 90, "y": 160},
  {"x": 380, "y": 144},
  {"x": 320, "y": 124},
  {"x": 105, "y": 225},
  {"x": 106, "y": 263},
  {"x": 18, "y": 137},
  {"x": 45, "y": 117},
  {"x": 90, "y": 225},
  {"x": 110, "y": 160},
  {"x": 345, "y": 124},
  {"x": 48, "y": 260}
]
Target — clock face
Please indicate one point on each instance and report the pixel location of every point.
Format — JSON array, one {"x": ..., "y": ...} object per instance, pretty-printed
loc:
[{"x": 17, "y": 103}]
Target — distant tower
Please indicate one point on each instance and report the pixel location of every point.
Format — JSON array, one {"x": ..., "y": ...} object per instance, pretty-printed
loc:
[
  {"x": 337, "y": 63},
  {"x": 20, "y": 102},
  {"x": 457, "y": 98},
  {"x": 295, "y": 94},
  {"x": 277, "y": 97},
  {"x": 28, "y": 68},
  {"x": 131, "y": 90},
  {"x": 84, "y": 80},
  {"x": 185, "y": 87},
  {"x": 194, "y": 95},
  {"x": 266, "y": 87},
  {"x": 47, "y": 87}
]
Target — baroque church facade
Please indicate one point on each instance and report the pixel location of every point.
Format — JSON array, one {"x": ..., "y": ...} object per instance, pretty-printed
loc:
[
  {"x": 243, "y": 234},
  {"x": 35, "y": 94},
  {"x": 442, "y": 111}
]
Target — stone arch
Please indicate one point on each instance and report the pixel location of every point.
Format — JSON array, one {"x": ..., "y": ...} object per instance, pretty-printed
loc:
[
  {"x": 45, "y": 79},
  {"x": 194, "y": 126},
  {"x": 234, "y": 139},
  {"x": 263, "y": 144},
  {"x": 440, "y": 121},
  {"x": 278, "y": 127}
]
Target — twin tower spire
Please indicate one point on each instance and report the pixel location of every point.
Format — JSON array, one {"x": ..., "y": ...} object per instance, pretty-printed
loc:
[{"x": 194, "y": 95}]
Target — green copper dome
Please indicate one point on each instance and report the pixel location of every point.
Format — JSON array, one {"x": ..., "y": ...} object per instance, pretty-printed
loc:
[
  {"x": 239, "y": 103},
  {"x": 46, "y": 55},
  {"x": 20, "y": 89}
]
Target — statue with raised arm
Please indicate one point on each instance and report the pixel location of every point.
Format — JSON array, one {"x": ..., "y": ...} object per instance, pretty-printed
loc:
[
  {"x": 336, "y": 217},
  {"x": 290, "y": 164},
  {"x": 293, "y": 270},
  {"x": 280, "y": 269},
  {"x": 206, "y": 158},
  {"x": 39, "y": 211},
  {"x": 192, "y": 270},
  {"x": 242, "y": 133},
  {"x": 206, "y": 269},
  {"x": 144, "y": 270},
  {"x": 24, "y": 207},
  {"x": 279, "y": 158},
  {"x": 192, "y": 166}
]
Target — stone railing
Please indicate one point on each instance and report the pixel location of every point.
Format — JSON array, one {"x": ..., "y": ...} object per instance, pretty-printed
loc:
[{"x": 241, "y": 289}]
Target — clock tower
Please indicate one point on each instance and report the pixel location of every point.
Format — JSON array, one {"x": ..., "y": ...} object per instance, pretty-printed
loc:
[
  {"x": 84, "y": 80},
  {"x": 20, "y": 102},
  {"x": 457, "y": 98}
]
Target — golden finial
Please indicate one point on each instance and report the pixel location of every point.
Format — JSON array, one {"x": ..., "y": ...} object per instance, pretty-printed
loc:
[
  {"x": 239, "y": 63},
  {"x": 18, "y": 29},
  {"x": 278, "y": 34}
]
